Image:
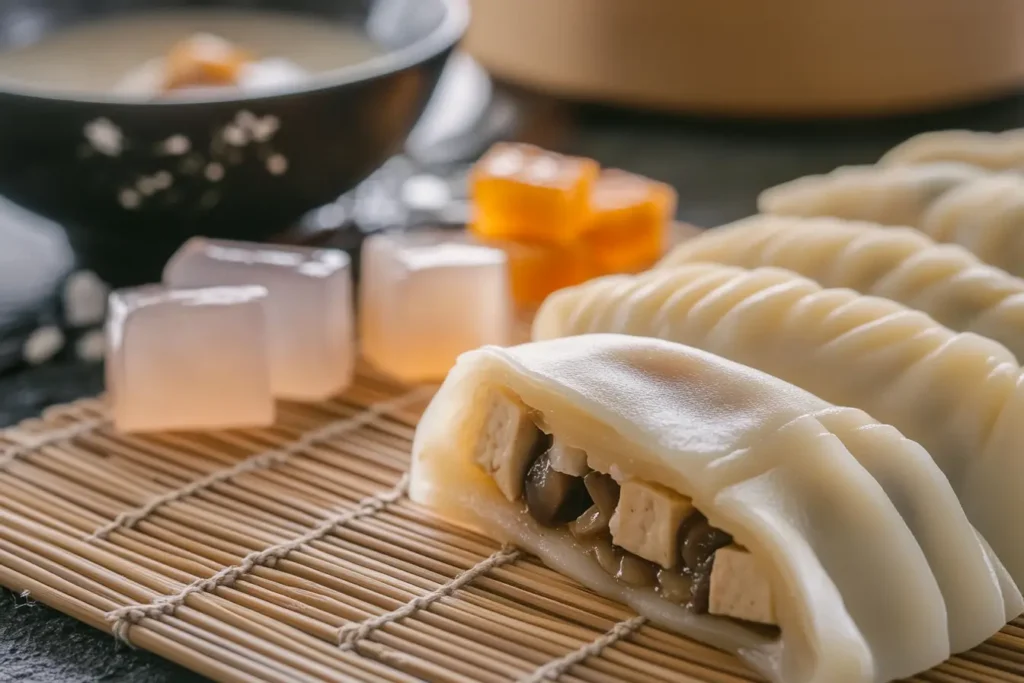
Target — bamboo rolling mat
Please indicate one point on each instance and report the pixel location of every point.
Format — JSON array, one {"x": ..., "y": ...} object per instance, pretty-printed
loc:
[{"x": 292, "y": 554}]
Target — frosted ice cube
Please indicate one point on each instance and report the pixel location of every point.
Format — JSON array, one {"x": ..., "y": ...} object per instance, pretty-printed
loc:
[
  {"x": 428, "y": 296},
  {"x": 188, "y": 359},
  {"x": 309, "y": 308}
]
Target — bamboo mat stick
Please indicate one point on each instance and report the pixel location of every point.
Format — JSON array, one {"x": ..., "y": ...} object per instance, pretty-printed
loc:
[
  {"x": 554, "y": 669},
  {"x": 350, "y": 634},
  {"x": 28, "y": 446},
  {"x": 262, "y": 460},
  {"x": 134, "y": 613},
  {"x": 50, "y": 592}
]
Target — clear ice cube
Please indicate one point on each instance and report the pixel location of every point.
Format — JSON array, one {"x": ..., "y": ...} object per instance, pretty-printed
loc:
[
  {"x": 309, "y": 308},
  {"x": 428, "y": 296},
  {"x": 188, "y": 359}
]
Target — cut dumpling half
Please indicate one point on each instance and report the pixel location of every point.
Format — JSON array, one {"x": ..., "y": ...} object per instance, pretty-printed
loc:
[
  {"x": 994, "y": 151},
  {"x": 957, "y": 394},
  {"x": 944, "y": 280},
  {"x": 893, "y": 195},
  {"x": 716, "y": 500}
]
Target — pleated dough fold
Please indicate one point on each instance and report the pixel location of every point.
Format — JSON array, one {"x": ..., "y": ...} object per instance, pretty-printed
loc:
[
  {"x": 957, "y": 394},
  {"x": 982, "y": 212},
  {"x": 867, "y": 553},
  {"x": 994, "y": 151},
  {"x": 985, "y": 216},
  {"x": 893, "y": 195},
  {"x": 944, "y": 280}
]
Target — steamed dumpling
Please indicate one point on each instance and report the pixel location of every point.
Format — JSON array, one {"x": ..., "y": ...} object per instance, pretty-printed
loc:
[
  {"x": 986, "y": 216},
  {"x": 981, "y": 211},
  {"x": 897, "y": 195},
  {"x": 994, "y": 151},
  {"x": 714, "y": 498},
  {"x": 957, "y": 394},
  {"x": 944, "y": 280}
]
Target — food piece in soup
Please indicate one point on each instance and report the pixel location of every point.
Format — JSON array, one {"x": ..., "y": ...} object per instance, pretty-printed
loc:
[{"x": 204, "y": 60}]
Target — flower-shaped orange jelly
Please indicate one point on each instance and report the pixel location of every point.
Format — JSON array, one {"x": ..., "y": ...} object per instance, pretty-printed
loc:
[
  {"x": 522, "y": 192},
  {"x": 628, "y": 226},
  {"x": 203, "y": 60}
]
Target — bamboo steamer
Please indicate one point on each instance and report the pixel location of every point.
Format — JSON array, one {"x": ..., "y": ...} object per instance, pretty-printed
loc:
[{"x": 779, "y": 58}]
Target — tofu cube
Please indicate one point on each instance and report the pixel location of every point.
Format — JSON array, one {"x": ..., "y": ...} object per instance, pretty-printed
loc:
[
  {"x": 506, "y": 444},
  {"x": 739, "y": 588},
  {"x": 188, "y": 359},
  {"x": 647, "y": 520}
]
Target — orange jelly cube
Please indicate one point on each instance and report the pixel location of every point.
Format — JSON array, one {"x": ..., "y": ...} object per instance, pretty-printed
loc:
[
  {"x": 203, "y": 60},
  {"x": 536, "y": 270},
  {"x": 522, "y": 192},
  {"x": 628, "y": 227}
]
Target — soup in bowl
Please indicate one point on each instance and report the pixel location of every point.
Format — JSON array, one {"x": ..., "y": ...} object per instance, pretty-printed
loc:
[{"x": 148, "y": 122}]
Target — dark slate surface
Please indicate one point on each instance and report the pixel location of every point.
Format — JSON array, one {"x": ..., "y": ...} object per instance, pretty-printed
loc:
[
  {"x": 718, "y": 168},
  {"x": 39, "y": 644}
]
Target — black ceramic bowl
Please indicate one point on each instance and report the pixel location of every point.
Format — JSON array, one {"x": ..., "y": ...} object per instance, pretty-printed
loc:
[{"x": 115, "y": 167}]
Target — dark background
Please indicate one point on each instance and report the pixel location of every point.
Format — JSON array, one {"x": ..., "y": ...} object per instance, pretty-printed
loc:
[{"x": 718, "y": 167}]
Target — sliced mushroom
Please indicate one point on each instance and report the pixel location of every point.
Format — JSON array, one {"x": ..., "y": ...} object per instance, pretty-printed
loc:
[
  {"x": 554, "y": 498},
  {"x": 699, "y": 541},
  {"x": 509, "y": 443},
  {"x": 673, "y": 586},
  {"x": 636, "y": 571},
  {"x": 603, "y": 490},
  {"x": 603, "y": 551},
  {"x": 591, "y": 523},
  {"x": 700, "y": 592}
]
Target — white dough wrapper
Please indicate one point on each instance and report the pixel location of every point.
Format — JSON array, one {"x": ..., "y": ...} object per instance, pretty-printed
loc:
[
  {"x": 945, "y": 281},
  {"x": 995, "y": 151},
  {"x": 985, "y": 216},
  {"x": 955, "y": 203},
  {"x": 893, "y": 195},
  {"x": 956, "y": 394},
  {"x": 861, "y": 538}
]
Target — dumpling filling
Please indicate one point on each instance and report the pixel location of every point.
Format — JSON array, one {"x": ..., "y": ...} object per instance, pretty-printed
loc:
[{"x": 641, "y": 533}]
